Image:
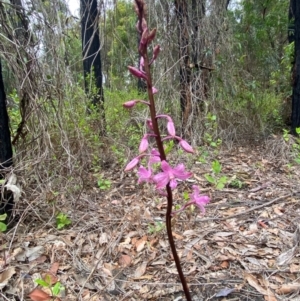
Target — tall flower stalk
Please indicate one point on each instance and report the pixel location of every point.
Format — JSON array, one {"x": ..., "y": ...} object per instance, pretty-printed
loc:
[{"x": 165, "y": 180}]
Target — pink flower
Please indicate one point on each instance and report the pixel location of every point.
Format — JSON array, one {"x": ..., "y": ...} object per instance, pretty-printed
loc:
[
  {"x": 195, "y": 199},
  {"x": 144, "y": 144},
  {"x": 169, "y": 175},
  {"x": 132, "y": 164},
  {"x": 145, "y": 175},
  {"x": 199, "y": 200},
  {"x": 186, "y": 147},
  {"x": 154, "y": 157}
]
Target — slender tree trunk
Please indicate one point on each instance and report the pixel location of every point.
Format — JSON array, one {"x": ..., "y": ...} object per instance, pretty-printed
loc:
[
  {"x": 6, "y": 198},
  {"x": 181, "y": 8},
  {"x": 295, "y": 118},
  {"x": 91, "y": 54}
]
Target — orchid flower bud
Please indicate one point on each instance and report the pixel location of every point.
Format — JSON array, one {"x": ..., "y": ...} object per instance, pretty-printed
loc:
[
  {"x": 156, "y": 51},
  {"x": 132, "y": 164},
  {"x": 130, "y": 104},
  {"x": 144, "y": 24},
  {"x": 154, "y": 90},
  {"x": 144, "y": 38},
  {"x": 186, "y": 147},
  {"x": 142, "y": 63},
  {"x": 149, "y": 124},
  {"x": 144, "y": 144},
  {"x": 137, "y": 73},
  {"x": 171, "y": 128},
  {"x": 151, "y": 35}
]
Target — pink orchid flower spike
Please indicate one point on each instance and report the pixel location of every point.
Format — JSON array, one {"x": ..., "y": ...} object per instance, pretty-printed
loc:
[{"x": 169, "y": 175}]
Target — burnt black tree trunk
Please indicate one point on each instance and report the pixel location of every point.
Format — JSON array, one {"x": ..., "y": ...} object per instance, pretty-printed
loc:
[
  {"x": 295, "y": 118},
  {"x": 91, "y": 54},
  {"x": 6, "y": 197}
]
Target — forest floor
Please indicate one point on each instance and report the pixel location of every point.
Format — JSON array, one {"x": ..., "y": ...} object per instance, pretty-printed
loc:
[{"x": 246, "y": 247}]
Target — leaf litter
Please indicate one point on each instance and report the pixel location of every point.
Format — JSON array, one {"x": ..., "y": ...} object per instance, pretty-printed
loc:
[{"x": 246, "y": 247}]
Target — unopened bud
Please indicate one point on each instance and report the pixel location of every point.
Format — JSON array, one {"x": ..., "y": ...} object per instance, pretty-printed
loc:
[
  {"x": 151, "y": 35},
  {"x": 129, "y": 104},
  {"x": 144, "y": 144},
  {"x": 171, "y": 128},
  {"x": 149, "y": 124},
  {"x": 156, "y": 51},
  {"x": 132, "y": 164},
  {"x": 136, "y": 72},
  {"x": 154, "y": 90},
  {"x": 186, "y": 147}
]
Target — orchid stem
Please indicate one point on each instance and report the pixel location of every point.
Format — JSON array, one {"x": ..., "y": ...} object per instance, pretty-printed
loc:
[{"x": 161, "y": 150}]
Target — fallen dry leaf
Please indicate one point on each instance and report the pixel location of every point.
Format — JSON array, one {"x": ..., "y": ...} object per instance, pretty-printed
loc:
[
  {"x": 140, "y": 244},
  {"x": 124, "y": 260},
  {"x": 254, "y": 283},
  {"x": 39, "y": 295},
  {"x": 140, "y": 271},
  {"x": 288, "y": 288},
  {"x": 5, "y": 276}
]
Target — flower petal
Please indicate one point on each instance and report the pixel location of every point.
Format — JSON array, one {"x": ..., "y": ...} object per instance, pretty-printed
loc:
[
  {"x": 144, "y": 174},
  {"x": 180, "y": 173},
  {"x": 173, "y": 184},
  {"x": 165, "y": 166},
  {"x": 161, "y": 180}
]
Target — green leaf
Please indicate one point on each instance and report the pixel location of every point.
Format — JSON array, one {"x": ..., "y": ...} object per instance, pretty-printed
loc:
[
  {"x": 3, "y": 217},
  {"x": 57, "y": 288},
  {"x": 186, "y": 195},
  {"x": 41, "y": 282},
  {"x": 220, "y": 185},
  {"x": 223, "y": 179},
  {"x": 3, "y": 227},
  {"x": 216, "y": 167},
  {"x": 2, "y": 182},
  {"x": 210, "y": 179}
]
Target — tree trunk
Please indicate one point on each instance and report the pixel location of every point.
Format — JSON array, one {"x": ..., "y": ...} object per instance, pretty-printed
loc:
[
  {"x": 181, "y": 8},
  {"x": 91, "y": 55},
  {"x": 295, "y": 118},
  {"x": 6, "y": 198}
]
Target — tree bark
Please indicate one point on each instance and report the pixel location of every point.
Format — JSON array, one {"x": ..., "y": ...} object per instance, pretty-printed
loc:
[
  {"x": 6, "y": 198},
  {"x": 181, "y": 8},
  {"x": 295, "y": 118},
  {"x": 91, "y": 54}
]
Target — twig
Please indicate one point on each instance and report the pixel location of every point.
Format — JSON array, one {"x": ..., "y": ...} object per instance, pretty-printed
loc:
[{"x": 247, "y": 211}]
